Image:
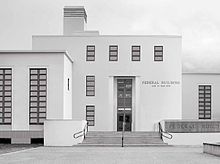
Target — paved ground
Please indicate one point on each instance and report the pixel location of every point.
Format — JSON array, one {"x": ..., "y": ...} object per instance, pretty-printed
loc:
[
  {"x": 6, "y": 148},
  {"x": 110, "y": 155}
]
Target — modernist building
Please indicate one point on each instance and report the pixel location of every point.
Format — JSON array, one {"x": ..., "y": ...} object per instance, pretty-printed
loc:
[
  {"x": 200, "y": 96},
  {"x": 104, "y": 79}
]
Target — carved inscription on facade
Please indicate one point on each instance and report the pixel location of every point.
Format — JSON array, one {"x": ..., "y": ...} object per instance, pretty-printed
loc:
[
  {"x": 162, "y": 84},
  {"x": 192, "y": 126}
]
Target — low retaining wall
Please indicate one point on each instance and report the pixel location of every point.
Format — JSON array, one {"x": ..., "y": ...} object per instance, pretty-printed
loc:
[
  {"x": 211, "y": 148},
  {"x": 191, "y": 132},
  {"x": 192, "y": 126},
  {"x": 192, "y": 138},
  {"x": 60, "y": 132}
]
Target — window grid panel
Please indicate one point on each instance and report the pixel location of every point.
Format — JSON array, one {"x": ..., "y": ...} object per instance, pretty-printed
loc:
[
  {"x": 158, "y": 53},
  {"x": 38, "y": 89},
  {"x": 90, "y": 115},
  {"x": 204, "y": 101},
  {"x": 90, "y": 85},
  {"x": 113, "y": 53},
  {"x": 90, "y": 53},
  {"x": 5, "y": 95},
  {"x": 136, "y": 53}
]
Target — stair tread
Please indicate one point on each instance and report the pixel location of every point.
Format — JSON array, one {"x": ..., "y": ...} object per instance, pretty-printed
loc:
[
  {"x": 125, "y": 145},
  {"x": 114, "y": 138}
]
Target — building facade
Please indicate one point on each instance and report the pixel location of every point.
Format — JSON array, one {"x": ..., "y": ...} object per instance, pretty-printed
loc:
[
  {"x": 103, "y": 79},
  {"x": 200, "y": 96},
  {"x": 138, "y": 75},
  {"x": 33, "y": 86}
]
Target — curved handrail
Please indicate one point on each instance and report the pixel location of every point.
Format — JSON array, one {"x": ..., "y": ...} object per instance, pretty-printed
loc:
[
  {"x": 164, "y": 133},
  {"x": 82, "y": 132}
]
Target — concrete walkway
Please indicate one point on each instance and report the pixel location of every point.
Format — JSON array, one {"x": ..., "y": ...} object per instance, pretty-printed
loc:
[{"x": 110, "y": 155}]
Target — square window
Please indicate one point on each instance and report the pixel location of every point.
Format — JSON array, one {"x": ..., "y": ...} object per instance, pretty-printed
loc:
[
  {"x": 90, "y": 115},
  {"x": 90, "y": 85},
  {"x": 158, "y": 53},
  {"x": 42, "y": 115},
  {"x": 113, "y": 53},
  {"x": 33, "y": 109},
  {"x": 90, "y": 53},
  {"x": 136, "y": 53}
]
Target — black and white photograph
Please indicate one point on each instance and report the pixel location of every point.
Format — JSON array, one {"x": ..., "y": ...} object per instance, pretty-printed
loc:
[{"x": 109, "y": 82}]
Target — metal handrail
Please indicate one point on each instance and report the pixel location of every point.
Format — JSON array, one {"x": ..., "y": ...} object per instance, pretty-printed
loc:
[
  {"x": 162, "y": 133},
  {"x": 122, "y": 136},
  {"x": 82, "y": 132}
]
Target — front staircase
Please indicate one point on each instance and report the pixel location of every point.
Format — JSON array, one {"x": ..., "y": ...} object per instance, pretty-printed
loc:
[{"x": 112, "y": 138}]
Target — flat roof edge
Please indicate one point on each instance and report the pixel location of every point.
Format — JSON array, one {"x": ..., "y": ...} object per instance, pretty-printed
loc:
[
  {"x": 32, "y": 51},
  {"x": 36, "y": 51},
  {"x": 156, "y": 36},
  {"x": 201, "y": 73}
]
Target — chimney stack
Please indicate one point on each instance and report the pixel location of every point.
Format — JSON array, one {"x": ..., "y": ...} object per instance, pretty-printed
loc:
[{"x": 74, "y": 19}]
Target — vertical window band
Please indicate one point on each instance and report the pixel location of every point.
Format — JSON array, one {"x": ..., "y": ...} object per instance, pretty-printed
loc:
[
  {"x": 90, "y": 85},
  {"x": 204, "y": 101},
  {"x": 5, "y": 96},
  {"x": 38, "y": 96},
  {"x": 90, "y": 115}
]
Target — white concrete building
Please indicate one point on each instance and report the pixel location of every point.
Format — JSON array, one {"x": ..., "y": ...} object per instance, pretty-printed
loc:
[
  {"x": 114, "y": 73},
  {"x": 34, "y": 85},
  {"x": 104, "y": 79},
  {"x": 200, "y": 96}
]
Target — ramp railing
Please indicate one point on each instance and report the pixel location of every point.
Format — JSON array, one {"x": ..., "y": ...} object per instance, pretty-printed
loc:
[
  {"x": 164, "y": 133},
  {"x": 82, "y": 132}
]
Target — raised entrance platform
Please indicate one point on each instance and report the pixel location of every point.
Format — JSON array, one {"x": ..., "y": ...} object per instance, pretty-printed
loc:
[
  {"x": 192, "y": 132},
  {"x": 112, "y": 138}
]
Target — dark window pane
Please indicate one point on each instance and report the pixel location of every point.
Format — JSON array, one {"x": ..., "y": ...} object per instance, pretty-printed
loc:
[
  {"x": 90, "y": 85},
  {"x": 158, "y": 53},
  {"x": 113, "y": 53},
  {"x": 38, "y": 92},
  {"x": 90, "y": 53},
  {"x": 90, "y": 115},
  {"x": 204, "y": 101},
  {"x": 5, "y": 95},
  {"x": 136, "y": 53}
]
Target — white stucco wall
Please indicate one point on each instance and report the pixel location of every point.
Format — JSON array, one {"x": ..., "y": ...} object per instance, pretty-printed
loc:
[
  {"x": 67, "y": 94},
  {"x": 20, "y": 62},
  {"x": 73, "y": 24},
  {"x": 192, "y": 138},
  {"x": 155, "y": 103},
  {"x": 190, "y": 94},
  {"x": 60, "y": 132}
]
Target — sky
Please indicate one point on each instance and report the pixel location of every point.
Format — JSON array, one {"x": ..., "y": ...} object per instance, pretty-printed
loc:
[{"x": 197, "y": 21}]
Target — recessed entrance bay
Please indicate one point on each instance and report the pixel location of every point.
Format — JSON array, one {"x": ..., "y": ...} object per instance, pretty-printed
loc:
[{"x": 124, "y": 104}]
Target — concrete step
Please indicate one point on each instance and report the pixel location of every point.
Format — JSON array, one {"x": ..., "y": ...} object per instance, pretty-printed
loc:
[
  {"x": 119, "y": 141},
  {"x": 112, "y": 138},
  {"x": 119, "y": 145},
  {"x": 120, "y": 138},
  {"x": 119, "y": 134}
]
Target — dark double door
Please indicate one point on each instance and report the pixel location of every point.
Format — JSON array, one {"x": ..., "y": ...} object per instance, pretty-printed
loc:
[{"x": 124, "y": 104}]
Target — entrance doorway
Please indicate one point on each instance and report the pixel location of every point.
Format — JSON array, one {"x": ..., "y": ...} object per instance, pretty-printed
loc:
[{"x": 124, "y": 104}]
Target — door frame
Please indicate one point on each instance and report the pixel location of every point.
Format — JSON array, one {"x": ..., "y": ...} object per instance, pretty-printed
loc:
[{"x": 115, "y": 101}]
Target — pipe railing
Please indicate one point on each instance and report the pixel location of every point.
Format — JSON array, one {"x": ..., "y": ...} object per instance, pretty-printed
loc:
[
  {"x": 122, "y": 136},
  {"x": 164, "y": 133},
  {"x": 82, "y": 132}
]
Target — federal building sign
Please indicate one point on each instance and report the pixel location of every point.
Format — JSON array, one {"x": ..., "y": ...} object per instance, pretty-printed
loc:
[
  {"x": 192, "y": 126},
  {"x": 162, "y": 83}
]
